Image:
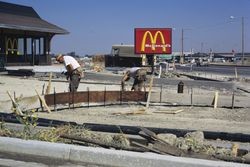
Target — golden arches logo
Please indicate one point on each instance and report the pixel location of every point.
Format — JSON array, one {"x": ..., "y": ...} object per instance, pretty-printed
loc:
[
  {"x": 11, "y": 45},
  {"x": 153, "y": 40}
]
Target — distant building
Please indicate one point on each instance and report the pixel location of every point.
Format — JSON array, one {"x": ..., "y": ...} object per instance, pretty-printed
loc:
[
  {"x": 124, "y": 56},
  {"x": 24, "y": 36}
]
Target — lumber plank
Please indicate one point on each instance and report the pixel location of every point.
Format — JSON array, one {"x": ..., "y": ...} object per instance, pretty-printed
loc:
[
  {"x": 169, "y": 112},
  {"x": 147, "y": 147},
  {"x": 100, "y": 143},
  {"x": 168, "y": 149},
  {"x": 136, "y": 112}
]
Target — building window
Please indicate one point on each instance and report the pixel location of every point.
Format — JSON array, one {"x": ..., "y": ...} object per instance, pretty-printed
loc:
[
  {"x": 42, "y": 46},
  {"x": 29, "y": 46},
  {"x": 37, "y": 48},
  {"x": 20, "y": 48}
]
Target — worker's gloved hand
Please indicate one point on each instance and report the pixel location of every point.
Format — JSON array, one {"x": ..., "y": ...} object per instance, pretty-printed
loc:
[{"x": 64, "y": 73}]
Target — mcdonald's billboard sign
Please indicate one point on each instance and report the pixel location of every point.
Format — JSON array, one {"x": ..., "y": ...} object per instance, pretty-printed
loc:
[{"x": 153, "y": 40}]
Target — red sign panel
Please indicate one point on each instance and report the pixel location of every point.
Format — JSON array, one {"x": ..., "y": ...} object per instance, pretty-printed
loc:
[{"x": 153, "y": 40}]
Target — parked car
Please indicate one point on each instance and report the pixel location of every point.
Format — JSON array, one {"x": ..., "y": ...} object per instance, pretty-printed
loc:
[{"x": 201, "y": 62}]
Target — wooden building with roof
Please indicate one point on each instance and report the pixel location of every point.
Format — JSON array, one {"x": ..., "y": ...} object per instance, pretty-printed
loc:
[{"x": 24, "y": 36}]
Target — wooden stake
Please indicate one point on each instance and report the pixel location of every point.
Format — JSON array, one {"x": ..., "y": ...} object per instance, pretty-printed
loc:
[
  {"x": 104, "y": 98},
  {"x": 234, "y": 149},
  {"x": 150, "y": 90},
  {"x": 43, "y": 102},
  {"x": 55, "y": 107},
  {"x": 191, "y": 96},
  {"x": 43, "y": 89},
  {"x": 88, "y": 96},
  {"x": 161, "y": 94},
  {"x": 49, "y": 84},
  {"x": 233, "y": 100},
  {"x": 236, "y": 73},
  {"x": 17, "y": 110},
  {"x": 215, "y": 100},
  {"x": 120, "y": 97}
]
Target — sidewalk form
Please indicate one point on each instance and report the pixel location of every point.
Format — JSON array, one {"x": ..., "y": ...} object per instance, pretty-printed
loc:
[{"x": 102, "y": 156}]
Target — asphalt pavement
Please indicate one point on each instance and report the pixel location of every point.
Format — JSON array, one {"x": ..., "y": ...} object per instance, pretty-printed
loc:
[{"x": 102, "y": 77}]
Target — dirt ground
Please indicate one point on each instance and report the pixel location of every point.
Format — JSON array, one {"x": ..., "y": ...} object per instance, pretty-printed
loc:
[{"x": 192, "y": 118}]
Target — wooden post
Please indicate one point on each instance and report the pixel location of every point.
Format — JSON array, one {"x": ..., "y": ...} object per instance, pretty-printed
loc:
[
  {"x": 161, "y": 94},
  {"x": 215, "y": 100},
  {"x": 150, "y": 90},
  {"x": 233, "y": 100},
  {"x": 49, "y": 84},
  {"x": 160, "y": 70},
  {"x": 191, "y": 96},
  {"x": 55, "y": 99},
  {"x": 104, "y": 94},
  {"x": 234, "y": 149},
  {"x": 121, "y": 97},
  {"x": 235, "y": 72},
  {"x": 88, "y": 95},
  {"x": 14, "y": 95},
  {"x": 43, "y": 89}
]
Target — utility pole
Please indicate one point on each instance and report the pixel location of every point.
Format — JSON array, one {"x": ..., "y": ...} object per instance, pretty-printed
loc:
[
  {"x": 182, "y": 41},
  {"x": 242, "y": 38}
]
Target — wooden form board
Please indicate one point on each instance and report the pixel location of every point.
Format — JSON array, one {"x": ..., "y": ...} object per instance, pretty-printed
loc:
[{"x": 95, "y": 97}]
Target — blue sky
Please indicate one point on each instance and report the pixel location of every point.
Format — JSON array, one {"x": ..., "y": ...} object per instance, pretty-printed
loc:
[{"x": 95, "y": 25}]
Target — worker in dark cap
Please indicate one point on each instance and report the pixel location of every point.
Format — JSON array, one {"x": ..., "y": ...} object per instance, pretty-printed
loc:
[
  {"x": 139, "y": 75},
  {"x": 74, "y": 71}
]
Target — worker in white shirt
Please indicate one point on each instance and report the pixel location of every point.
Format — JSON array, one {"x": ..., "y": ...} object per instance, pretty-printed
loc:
[
  {"x": 139, "y": 76},
  {"x": 74, "y": 71}
]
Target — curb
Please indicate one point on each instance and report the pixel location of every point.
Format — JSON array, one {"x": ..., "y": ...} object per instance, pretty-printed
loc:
[
  {"x": 102, "y": 156},
  {"x": 200, "y": 78}
]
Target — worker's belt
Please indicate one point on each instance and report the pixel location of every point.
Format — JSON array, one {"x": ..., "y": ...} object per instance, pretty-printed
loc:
[{"x": 77, "y": 71}]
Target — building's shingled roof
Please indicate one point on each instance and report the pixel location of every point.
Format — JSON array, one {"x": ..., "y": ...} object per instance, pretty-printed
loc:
[{"x": 25, "y": 18}]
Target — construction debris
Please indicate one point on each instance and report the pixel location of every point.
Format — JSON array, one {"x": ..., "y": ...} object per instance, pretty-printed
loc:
[
  {"x": 136, "y": 112},
  {"x": 169, "y": 112}
]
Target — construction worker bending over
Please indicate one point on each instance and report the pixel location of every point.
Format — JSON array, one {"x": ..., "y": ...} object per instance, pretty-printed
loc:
[
  {"x": 139, "y": 75},
  {"x": 74, "y": 71}
]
